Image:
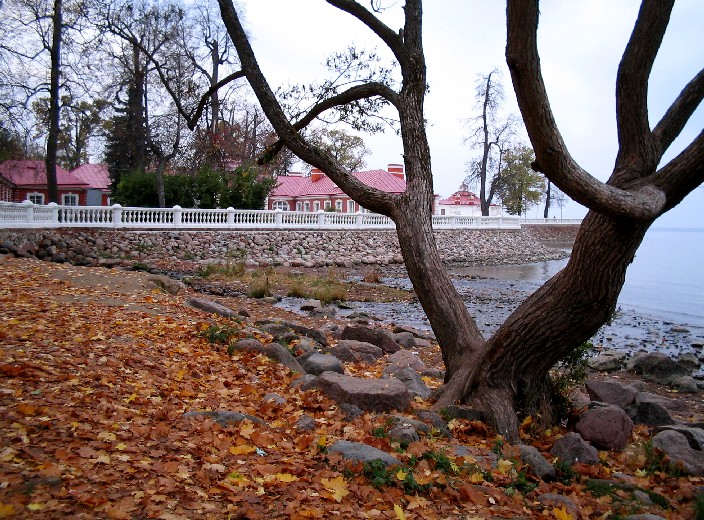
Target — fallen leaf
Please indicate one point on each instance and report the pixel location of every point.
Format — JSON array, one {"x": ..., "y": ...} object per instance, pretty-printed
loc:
[
  {"x": 399, "y": 512},
  {"x": 336, "y": 486},
  {"x": 561, "y": 514}
]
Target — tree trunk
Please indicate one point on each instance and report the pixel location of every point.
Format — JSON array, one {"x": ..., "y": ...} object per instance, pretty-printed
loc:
[
  {"x": 546, "y": 211},
  {"x": 511, "y": 371},
  {"x": 54, "y": 105}
]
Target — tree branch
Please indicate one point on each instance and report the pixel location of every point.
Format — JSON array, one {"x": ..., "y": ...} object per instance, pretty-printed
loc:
[
  {"x": 392, "y": 39},
  {"x": 638, "y": 153},
  {"x": 552, "y": 157},
  {"x": 370, "y": 198},
  {"x": 683, "y": 174},
  {"x": 679, "y": 112}
]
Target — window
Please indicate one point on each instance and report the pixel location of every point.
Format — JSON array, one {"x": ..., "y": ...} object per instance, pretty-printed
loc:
[
  {"x": 306, "y": 207},
  {"x": 69, "y": 199},
  {"x": 316, "y": 206},
  {"x": 280, "y": 204},
  {"x": 327, "y": 204},
  {"x": 350, "y": 206},
  {"x": 35, "y": 198},
  {"x": 299, "y": 206},
  {"x": 338, "y": 205},
  {"x": 442, "y": 211}
]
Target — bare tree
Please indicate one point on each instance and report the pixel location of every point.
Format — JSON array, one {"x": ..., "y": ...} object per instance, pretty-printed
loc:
[
  {"x": 492, "y": 134},
  {"x": 509, "y": 370}
]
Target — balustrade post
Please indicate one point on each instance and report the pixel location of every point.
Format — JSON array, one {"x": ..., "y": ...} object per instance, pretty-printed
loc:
[
  {"x": 358, "y": 219},
  {"x": 321, "y": 217},
  {"x": 178, "y": 214},
  {"x": 54, "y": 214},
  {"x": 230, "y": 216},
  {"x": 453, "y": 221},
  {"x": 278, "y": 218},
  {"x": 116, "y": 215},
  {"x": 28, "y": 211}
]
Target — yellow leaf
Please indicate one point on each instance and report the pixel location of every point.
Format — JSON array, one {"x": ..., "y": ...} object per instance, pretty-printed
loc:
[
  {"x": 121, "y": 446},
  {"x": 7, "y": 454},
  {"x": 401, "y": 475},
  {"x": 285, "y": 477},
  {"x": 106, "y": 436},
  {"x": 561, "y": 514},
  {"x": 131, "y": 398},
  {"x": 35, "y": 507},
  {"x": 528, "y": 421},
  {"x": 504, "y": 466},
  {"x": 242, "y": 449},
  {"x": 476, "y": 478},
  {"x": 6, "y": 510},
  {"x": 399, "y": 512},
  {"x": 337, "y": 486},
  {"x": 417, "y": 501},
  {"x": 640, "y": 473},
  {"x": 322, "y": 441},
  {"x": 247, "y": 429}
]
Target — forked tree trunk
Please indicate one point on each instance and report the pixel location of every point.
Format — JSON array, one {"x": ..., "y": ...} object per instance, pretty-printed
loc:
[{"x": 511, "y": 371}]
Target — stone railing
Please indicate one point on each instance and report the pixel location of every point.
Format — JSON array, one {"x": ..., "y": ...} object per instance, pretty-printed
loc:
[{"x": 31, "y": 216}]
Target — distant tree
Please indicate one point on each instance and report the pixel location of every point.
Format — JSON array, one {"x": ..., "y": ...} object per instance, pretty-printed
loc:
[
  {"x": 492, "y": 134},
  {"x": 349, "y": 150},
  {"x": 247, "y": 188},
  {"x": 519, "y": 187},
  {"x": 10, "y": 145}
]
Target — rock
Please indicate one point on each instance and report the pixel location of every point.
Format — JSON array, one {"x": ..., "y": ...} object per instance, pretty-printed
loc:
[
  {"x": 435, "y": 420},
  {"x": 404, "y": 433},
  {"x": 673, "y": 405},
  {"x": 223, "y": 418},
  {"x": 166, "y": 284},
  {"x": 375, "y": 395},
  {"x": 304, "y": 346},
  {"x": 413, "y": 382},
  {"x": 677, "y": 329},
  {"x": 359, "y": 452},
  {"x": 676, "y": 446},
  {"x": 649, "y": 413},
  {"x": 313, "y": 334},
  {"x": 695, "y": 436},
  {"x": 310, "y": 305},
  {"x": 686, "y": 384},
  {"x": 305, "y": 423},
  {"x": 357, "y": 351},
  {"x": 604, "y": 363},
  {"x": 459, "y": 411},
  {"x": 689, "y": 361},
  {"x": 644, "y": 516},
  {"x": 405, "y": 339},
  {"x": 611, "y": 392},
  {"x": 606, "y": 427},
  {"x": 318, "y": 363},
  {"x": 275, "y": 351},
  {"x": 657, "y": 367},
  {"x": 571, "y": 448},
  {"x": 211, "y": 307},
  {"x": 538, "y": 464},
  {"x": 404, "y": 358},
  {"x": 273, "y": 398},
  {"x": 376, "y": 336},
  {"x": 351, "y": 411},
  {"x": 306, "y": 382}
]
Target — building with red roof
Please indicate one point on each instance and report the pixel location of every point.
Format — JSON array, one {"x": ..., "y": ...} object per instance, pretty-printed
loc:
[
  {"x": 26, "y": 180},
  {"x": 296, "y": 192},
  {"x": 97, "y": 177},
  {"x": 465, "y": 203}
]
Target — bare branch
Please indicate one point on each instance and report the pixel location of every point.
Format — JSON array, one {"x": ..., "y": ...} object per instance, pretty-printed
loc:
[
  {"x": 638, "y": 153},
  {"x": 552, "y": 157},
  {"x": 392, "y": 39},
  {"x": 375, "y": 200},
  {"x": 672, "y": 123},
  {"x": 682, "y": 174}
]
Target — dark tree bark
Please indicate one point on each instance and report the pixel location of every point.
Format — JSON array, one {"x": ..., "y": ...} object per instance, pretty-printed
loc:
[
  {"x": 54, "y": 103},
  {"x": 509, "y": 371},
  {"x": 546, "y": 211}
]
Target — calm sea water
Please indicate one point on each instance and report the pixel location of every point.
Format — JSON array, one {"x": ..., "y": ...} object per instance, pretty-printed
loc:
[{"x": 666, "y": 279}]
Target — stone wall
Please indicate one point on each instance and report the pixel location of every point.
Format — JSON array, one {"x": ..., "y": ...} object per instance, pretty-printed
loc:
[{"x": 296, "y": 248}]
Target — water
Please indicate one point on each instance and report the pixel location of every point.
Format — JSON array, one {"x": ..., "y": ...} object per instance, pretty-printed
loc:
[{"x": 666, "y": 279}]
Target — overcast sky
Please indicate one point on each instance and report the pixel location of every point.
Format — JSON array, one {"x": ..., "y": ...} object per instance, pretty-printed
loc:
[{"x": 580, "y": 45}]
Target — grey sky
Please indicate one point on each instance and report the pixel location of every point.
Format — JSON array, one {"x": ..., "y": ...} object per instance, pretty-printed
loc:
[{"x": 580, "y": 42}]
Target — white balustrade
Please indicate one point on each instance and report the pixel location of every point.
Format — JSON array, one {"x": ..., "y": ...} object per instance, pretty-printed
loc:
[{"x": 28, "y": 215}]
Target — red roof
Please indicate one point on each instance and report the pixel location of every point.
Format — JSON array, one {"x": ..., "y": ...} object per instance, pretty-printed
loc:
[
  {"x": 461, "y": 198},
  {"x": 95, "y": 175},
  {"x": 28, "y": 173},
  {"x": 294, "y": 186}
]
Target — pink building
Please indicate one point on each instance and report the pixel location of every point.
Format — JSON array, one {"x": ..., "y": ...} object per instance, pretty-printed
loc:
[
  {"x": 87, "y": 185},
  {"x": 296, "y": 192}
]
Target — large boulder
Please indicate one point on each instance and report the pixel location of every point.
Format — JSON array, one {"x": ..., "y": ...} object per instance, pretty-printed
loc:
[
  {"x": 538, "y": 464},
  {"x": 572, "y": 448},
  {"x": 376, "y": 336},
  {"x": 606, "y": 427},
  {"x": 413, "y": 382},
  {"x": 657, "y": 367},
  {"x": 677, "y": 448},
  {"x": 405, "y": 358},
  {"x": 649, "y": 413},
  {"x": 611, "y": 392},
  {"x": 354, "y": 351},
  {"x": 211, "y": 307},
  {"x": 374, "y": 395},
  {"x": 274, "y": 351}
]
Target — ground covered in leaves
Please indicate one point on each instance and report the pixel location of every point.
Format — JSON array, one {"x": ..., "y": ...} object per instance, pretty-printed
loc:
[{"x": 97, "y": 370}]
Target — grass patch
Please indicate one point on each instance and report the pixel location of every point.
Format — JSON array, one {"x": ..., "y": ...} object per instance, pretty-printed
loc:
[{"x": 223, "y": 271}]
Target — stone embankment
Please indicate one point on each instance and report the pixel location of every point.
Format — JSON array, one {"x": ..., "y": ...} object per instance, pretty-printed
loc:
[{"x": 295, "y": 248}]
